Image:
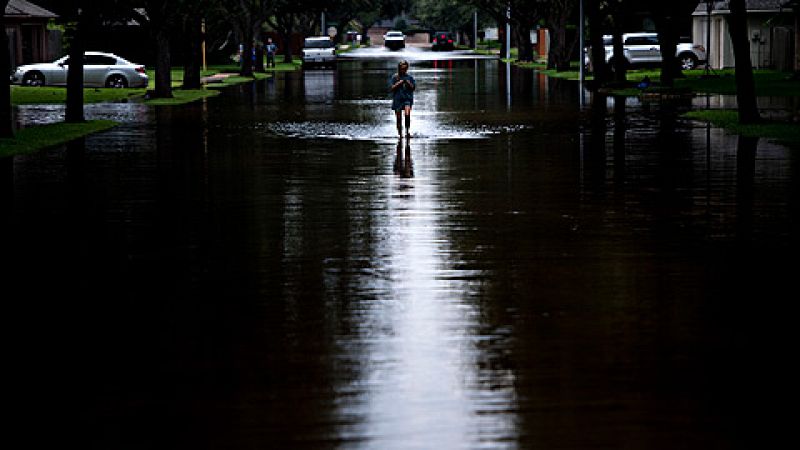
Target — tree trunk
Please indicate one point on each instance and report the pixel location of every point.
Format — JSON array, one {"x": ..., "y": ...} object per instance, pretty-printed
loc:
[
  {"x": 74, "y": 108},
  {"x": 618, "y": 61},
  {"x": 524, "y": 47},
  {"x": 286, "y": 35},
  {"x": 6, "y": 127},
  {"x": 557, "y": 56},
  {"x": 163, "y": 65},
  {"x": 745, "y": 83},
  {"x": 191, "y": 69},
  {"x": 668, "y": 43},
  {"x": 596, "y": 46},
  {"x": 246, "y": 63},
  {"x": 259, "y": 64}
]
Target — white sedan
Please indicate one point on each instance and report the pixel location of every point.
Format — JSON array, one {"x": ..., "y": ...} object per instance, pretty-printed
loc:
[{"x": 99, "y": 70}]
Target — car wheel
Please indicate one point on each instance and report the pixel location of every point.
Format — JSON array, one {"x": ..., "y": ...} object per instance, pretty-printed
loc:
[
  {"x": 116, "y": 81},
  {"x": 687, "y": 61},
  {"x": 34, "y": 79}
]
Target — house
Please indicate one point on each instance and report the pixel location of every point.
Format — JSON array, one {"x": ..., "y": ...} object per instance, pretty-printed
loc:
[
  {"x": 794, "y": 5},
  {"x": 771, "y": 28},
  {"x": 414, "y": 33},
  {"x": 26, "y": 27}
]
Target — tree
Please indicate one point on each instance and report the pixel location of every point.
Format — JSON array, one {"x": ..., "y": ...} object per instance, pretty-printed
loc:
[
  {"x": 745, "y": 83},
  {"x": 557, "y": 14},
  {"x": 618, "y": 11},
  {"x": 444, "y": 14},
  {"x": 246, "y": 17},
  {"x": 524, "y": 16},
  {"x": 75, "y": 33},
  {"x": 292, "y": 16},
  {"x": 666, "y": 15},
  {"x": 596, "y": 17},
  {"x": 193, "y": 35},
  {"x": 497, "y": 11},
  {"x": 161, "y": 16}
]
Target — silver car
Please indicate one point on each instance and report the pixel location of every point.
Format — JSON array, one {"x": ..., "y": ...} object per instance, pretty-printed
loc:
[
  {"x": 643, "y": 48},
  {"x": 99, "y": 70}
]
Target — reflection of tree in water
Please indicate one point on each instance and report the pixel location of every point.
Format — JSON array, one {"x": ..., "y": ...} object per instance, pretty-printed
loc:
[{"x": 746, "y": 147}]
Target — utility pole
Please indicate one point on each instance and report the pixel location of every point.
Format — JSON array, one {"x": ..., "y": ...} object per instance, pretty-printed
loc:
[
  {"x": 582, "y": 44},
  {"x": 582, "y": 52},
  {"x": 203, "y": 42},
  {"x": 475, "y": 30},
  {"x": 709, "y": 7},
  {"x": 508, "y": 31}
]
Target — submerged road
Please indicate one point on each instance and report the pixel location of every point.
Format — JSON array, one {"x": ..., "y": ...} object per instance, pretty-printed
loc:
[{"x": 273, "y": 268}]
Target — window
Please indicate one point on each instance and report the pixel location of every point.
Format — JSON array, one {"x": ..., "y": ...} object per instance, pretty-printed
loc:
[
  {"x": 318, "y": 43},
  {"x": 98, "y": 60}
]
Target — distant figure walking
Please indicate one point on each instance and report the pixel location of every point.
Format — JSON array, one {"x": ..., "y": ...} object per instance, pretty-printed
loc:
[
  {"x": 402, "y": 86},
  {"x": 270, "y": 49}
]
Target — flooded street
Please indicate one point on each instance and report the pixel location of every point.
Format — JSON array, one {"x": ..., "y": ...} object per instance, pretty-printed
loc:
[{"x": 275, "y": 269}]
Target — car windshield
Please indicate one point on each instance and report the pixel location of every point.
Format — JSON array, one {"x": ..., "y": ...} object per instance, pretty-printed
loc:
[
  {"x": 394, "y": 34},
  {"x": 318, "y": 43}
]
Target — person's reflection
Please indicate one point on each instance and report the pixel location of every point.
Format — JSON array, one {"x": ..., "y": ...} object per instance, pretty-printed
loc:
[{"x": 403, "y": 165}]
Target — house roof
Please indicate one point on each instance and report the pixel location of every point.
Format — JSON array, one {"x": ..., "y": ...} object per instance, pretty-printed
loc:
[
  {"x": 722, "y": 7},
  {"x": 22, "y": 8}
]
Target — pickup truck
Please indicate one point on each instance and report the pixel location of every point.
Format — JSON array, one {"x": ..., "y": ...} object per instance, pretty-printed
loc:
[
  {"x": 394, "y": 40},
  {"x": 319, "y": 50}
]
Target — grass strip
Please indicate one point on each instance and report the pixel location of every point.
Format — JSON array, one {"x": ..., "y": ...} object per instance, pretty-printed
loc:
[
  {"x": 29, "y": 140},
  {"x": 729, "y": 119},
  {"x": 238, "y": 79},
  {"x": 24, "y": 95},
  {"x": 182, "y": 96}
]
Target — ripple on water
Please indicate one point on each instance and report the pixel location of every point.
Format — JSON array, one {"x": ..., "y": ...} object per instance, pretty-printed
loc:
[{"x": 385, "y": 130}]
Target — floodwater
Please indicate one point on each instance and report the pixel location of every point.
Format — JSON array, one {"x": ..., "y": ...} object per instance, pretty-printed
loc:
[{"x": 273, "y": 268}]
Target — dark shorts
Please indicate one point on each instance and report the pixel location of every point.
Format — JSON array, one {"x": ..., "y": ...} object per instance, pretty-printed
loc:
[{"x": 399, "y": 105}]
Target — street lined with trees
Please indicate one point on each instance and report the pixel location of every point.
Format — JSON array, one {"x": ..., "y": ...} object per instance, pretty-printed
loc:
[{"x": 175, "y": 32}]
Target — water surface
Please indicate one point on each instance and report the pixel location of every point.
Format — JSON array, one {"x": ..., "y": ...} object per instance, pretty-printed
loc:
[{"x": 273, "y": 268}]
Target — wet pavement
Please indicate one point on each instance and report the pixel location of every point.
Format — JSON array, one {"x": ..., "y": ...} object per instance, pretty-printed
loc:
[{"x": 273, "y": 268}]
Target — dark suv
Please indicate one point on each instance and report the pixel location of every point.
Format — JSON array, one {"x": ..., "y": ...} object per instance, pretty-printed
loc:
[{"x": 443, "y": 40}]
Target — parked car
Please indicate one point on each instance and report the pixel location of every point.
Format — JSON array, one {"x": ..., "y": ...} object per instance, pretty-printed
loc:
[
  {"x": 643, "y": 49},
  {"x": 319, "y": 51},
  {"x": 443, "y": 40},
  {"x": 394, "y": 40},
  {"x": 99, "y": 70}
]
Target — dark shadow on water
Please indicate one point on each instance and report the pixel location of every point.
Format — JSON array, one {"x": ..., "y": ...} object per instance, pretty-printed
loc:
[
  {"x": 619, "y": 139},
  {"x": 746, "y": 149}
]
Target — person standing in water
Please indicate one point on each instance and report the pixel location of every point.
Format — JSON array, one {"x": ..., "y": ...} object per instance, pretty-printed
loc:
[{"x": 402, "y": 86}]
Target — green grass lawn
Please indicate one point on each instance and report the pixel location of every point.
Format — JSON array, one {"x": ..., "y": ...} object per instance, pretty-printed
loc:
[
  {"x": 729, "y": 119},
  {"x": 28, "y": 140},
  {"x": 23, "y": 95},
  {"x": 35, "y": 138},
  {"x": 768, "y": 82}
]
